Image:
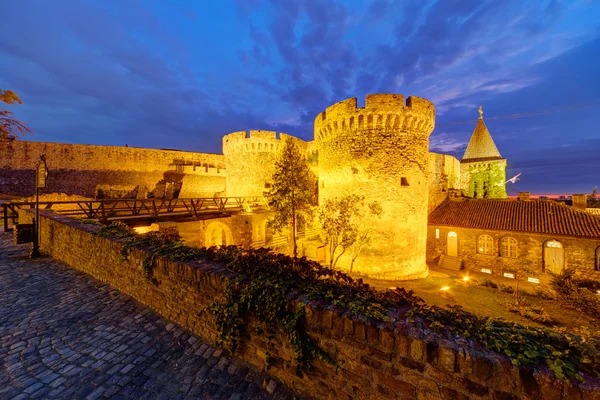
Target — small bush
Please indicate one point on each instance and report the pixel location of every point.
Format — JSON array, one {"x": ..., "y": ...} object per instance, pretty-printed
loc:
[
  {"x": 488, "y": 283},
  {"x": 532, "y": 313},
  {"x": 568, "y": 291},
  {"x": 588, "y": 284},
  {"x": 116, "y": 230},
  {"x": 506, "y": 288},
  {"x": 543, "y": 292}
]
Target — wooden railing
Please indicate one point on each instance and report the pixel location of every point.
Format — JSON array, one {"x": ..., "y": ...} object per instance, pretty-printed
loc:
[{"x": 127, "y": 209}]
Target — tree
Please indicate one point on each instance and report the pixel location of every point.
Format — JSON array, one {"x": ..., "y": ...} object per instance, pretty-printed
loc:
[
  {"x": 592, "y": 201},
  {"x": 343, "y": 224},
  {"x": 10, "y": 128},
  {"x": 364, "y": 236},
  {"x": 340, "y": 231},
  {"x": 292, "y": 192}
]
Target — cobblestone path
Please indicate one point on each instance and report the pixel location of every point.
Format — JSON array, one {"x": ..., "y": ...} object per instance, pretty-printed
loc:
[{"x": 66, "y": 335}]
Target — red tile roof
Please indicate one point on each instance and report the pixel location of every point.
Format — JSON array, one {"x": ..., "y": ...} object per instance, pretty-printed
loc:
[{"x": 546, "y": 217}]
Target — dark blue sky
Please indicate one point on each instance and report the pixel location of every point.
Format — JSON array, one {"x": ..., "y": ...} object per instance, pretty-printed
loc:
[{"x": 181, "y": 74}]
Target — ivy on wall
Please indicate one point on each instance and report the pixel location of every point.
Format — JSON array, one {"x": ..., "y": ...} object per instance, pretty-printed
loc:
[
  {"x": 486, "y": 180},
  {"x": 264, "y": 282}
]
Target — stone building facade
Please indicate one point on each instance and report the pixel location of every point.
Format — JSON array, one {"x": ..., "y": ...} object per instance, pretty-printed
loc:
[{"x": 510, "y": 236}]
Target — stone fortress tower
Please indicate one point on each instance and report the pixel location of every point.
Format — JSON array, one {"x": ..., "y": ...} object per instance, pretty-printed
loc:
[
  {"x": 381, "y": 151},
  {"x": 483, "y": 170},
  {"x": 251, "y": 156}
]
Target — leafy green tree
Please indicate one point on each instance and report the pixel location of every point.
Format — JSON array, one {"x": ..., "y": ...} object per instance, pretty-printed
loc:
[
  {"x": 343, "y": 224},
  {"x": 292, "y": 192},
  {"x": 336, "y": 217},
  {"x": 10, "y": 128},
  {"x": 364, "y": 235},
  {"x": 592, "y": 200}
]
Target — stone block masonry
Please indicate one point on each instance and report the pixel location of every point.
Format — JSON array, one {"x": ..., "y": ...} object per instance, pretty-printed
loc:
[
  {"x": 375, "y": 361},
  {"x": 79, "y": 169}
]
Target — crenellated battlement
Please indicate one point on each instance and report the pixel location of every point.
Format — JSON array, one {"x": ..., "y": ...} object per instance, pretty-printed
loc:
[
  {"x": 382, "y": 111},
  {"x": 256, "y": 141},
  {"x": 252, "y": 141}
]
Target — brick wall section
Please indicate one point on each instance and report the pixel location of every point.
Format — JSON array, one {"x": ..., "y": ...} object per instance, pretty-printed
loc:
[
  {"x": 579, "y": 253},
  {"x": 78, "y": 169},
  {"x": 375, "y": 361}
]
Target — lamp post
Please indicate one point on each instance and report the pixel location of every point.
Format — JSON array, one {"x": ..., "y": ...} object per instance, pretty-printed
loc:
[{"x": 41, "y": 175}]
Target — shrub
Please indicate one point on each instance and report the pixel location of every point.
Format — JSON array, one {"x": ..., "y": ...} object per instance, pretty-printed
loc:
[
  {"x": 116, "y": 230},
  {"x": 568, "y": 291},
  {"x": 565, "y": 354},
  {"x": 533, "y": 313},
  {"x": 487, "y": 283},
  {"x": 505, "y": 288}
]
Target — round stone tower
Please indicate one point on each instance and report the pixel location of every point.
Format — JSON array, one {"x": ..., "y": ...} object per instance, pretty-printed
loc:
[
  {"x": 381, "y": 152},
  {"x": 250, "y": 160}
]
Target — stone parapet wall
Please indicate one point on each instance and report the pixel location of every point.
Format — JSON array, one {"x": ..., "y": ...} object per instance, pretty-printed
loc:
[
  {"x": 78, "y": 169},
  {"x": 375, "y": 361}
]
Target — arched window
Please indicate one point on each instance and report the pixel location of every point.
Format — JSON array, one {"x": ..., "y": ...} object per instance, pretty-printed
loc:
[
  {"x": 485, "y": 244},
  {"x": 598, "y": 258},
  {"x": 508, "y": 247}
]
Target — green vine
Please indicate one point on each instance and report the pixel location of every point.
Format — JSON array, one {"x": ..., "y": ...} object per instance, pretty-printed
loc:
[
  {"x": 565, "y": 354},
  {"x": 263, "y": 283},
  {"x": 116, "y": 230}
]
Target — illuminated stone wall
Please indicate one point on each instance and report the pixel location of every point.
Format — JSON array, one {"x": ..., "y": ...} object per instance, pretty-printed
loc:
[
  {"x": 579, "y": 253},
  {"x": 381, "y": 151},
  {"x": 80, "y": 169},
  {"x": 484, "y": 179},
  {"x": 392, "y": 360},
  {"x": 444, "y": 174},
  {"x": 250, "y": 160}
]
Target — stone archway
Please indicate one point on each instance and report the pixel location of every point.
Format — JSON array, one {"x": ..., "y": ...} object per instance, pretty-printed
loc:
[{"x": 218, "y": 234}]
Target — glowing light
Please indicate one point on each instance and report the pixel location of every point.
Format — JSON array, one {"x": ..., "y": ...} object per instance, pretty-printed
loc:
[
  {"x": 466, "y": 278},
  {"x": 142, "y": 229},
  {"x": 486, "y": 271},
  {"x": 509, "y": 275},
  {"x": 533, "y": 280},
  {"x": 445, "y": 288},
  {"x": 598, "y": 292}
]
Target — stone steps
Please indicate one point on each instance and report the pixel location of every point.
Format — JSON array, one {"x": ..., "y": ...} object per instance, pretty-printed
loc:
[{"x": 449, "y": 262}]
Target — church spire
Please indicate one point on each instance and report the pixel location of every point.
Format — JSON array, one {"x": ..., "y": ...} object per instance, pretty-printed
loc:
[{"x": 481, "y": 147}]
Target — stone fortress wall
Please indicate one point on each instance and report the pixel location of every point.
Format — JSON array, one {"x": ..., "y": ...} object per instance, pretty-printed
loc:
[
  {"x": 80, "y": 169},
  {"x": 250, "y": 160},
  {"x": 444, "y": 174},
  {"x": 381, "y": 151}
]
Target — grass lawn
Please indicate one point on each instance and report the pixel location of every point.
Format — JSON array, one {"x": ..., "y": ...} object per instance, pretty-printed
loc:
[{"x": 485, "y": 301}]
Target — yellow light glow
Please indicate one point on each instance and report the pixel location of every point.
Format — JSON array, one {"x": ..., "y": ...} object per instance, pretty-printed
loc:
[
  {"x": 142, "y": 229},
  {"x": 466, "y": 278},
  {"x": 445, "y": 288}
]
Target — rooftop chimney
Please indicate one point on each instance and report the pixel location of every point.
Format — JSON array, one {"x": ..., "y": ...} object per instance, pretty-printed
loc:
[
  {"x": 524, "y": 196},
  {"x": 579, "y": 202},
  {"x": 454, "y": 194}
]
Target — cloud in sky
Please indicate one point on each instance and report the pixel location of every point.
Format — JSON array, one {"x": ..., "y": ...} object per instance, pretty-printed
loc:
[{"x": 182, "y": 74}]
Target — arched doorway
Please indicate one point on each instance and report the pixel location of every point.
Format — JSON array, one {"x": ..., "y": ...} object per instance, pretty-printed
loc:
[
  {"x": 554, "y": 257},
  {"x": 452, "y": 249},
  {"x": 218, "y": 234}
]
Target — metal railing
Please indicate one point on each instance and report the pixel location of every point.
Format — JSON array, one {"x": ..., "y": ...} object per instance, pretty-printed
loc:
[{"x": 127, "y": 209}]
